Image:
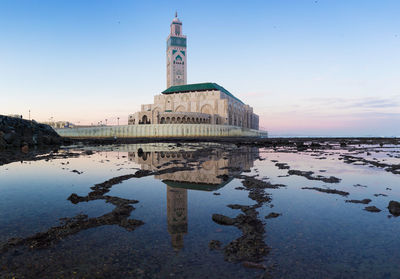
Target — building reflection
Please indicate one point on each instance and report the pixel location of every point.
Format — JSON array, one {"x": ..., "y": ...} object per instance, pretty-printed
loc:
[
  {"x": 211, "y": 172},
  {"x": 177, "y": 215}
]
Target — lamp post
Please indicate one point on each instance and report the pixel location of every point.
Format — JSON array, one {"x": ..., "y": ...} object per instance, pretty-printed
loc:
[
  {"x": 118, "y": 120},
  {"x": 106, "y": 121}
]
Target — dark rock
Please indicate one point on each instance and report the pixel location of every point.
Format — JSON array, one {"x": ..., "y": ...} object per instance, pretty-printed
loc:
[
  {"x": 328, "y": 191},
  {"x": 224, "y": 177},
  {"x": 377, "y": 195},
  {"x": 394, "y": 208},
  {"x": 309, "y": 176},
  {"x": 253, "y": 265},
  {"x": 216, "y": 194},
  {"x": 364, "y": 201},
  {"x": 236, "y": 206},
  {"x": 3, "y": 143},
  {"x": 16, "y": 131},
  {"x": 222, "y": 219},
  {"x": 282, "y": 166},
  {"x": 372, "y": 209},
  {"x": 88, "y": 152},
  {"x": 10, "y": 137},
  {"x": 214, "y": 245},
  {"x": 272, "y": 215}
]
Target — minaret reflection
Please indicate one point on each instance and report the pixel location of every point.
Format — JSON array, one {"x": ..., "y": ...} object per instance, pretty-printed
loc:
[
  {"x": 177, "y": 215},
  {"x": 205, "y": 176}
]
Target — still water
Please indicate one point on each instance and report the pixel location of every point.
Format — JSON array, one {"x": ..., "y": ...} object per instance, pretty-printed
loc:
[{"x": 160, "y": 224}]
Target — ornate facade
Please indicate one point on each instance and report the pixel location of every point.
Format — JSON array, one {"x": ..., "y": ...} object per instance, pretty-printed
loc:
[{"x": 202, "y": 103}]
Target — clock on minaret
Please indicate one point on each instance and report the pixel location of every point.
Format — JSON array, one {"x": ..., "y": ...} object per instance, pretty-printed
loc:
[{"x": 176, "y": 54}]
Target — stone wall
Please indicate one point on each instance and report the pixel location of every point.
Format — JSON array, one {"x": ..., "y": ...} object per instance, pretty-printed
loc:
[{"x": 160, "y": 131}]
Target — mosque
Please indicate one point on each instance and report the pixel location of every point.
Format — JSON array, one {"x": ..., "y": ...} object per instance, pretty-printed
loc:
[{"x": 201, "y": 103}]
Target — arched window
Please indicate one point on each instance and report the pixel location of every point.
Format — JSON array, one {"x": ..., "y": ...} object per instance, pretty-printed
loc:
[{"x": 144, "y": 119}]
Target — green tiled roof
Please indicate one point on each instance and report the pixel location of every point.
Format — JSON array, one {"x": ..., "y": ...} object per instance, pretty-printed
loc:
[{"x": 198, "y": 87}]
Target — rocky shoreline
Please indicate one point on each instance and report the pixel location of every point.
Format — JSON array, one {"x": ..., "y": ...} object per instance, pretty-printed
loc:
[{"x": 25, "y": 134}]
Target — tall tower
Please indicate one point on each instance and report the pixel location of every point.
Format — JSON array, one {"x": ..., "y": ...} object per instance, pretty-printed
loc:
[{"x": 176, "y": 54}]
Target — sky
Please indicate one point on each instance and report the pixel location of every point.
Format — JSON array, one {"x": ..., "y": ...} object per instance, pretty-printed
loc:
[{"x": 307, "y": 67}]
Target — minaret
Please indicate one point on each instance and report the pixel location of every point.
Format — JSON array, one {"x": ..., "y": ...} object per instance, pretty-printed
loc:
[{"x": 176, "y": 54}]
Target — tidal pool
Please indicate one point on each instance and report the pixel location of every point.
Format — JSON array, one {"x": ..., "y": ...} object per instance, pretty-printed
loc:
[{"x": 165, "y": 210}]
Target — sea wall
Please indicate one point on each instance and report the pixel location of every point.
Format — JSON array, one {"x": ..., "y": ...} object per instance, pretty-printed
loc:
[
  {"x": 160, "y": 131},
  {"x": 17, "y": 132}
]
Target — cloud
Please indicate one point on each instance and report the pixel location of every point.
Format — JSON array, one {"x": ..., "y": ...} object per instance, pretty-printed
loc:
[
  {"x": 348, "y": 103},
  {"x": 334, "y": 116}
]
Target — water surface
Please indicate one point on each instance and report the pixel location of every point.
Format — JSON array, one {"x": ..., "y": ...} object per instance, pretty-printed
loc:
[{"x": 168, "y": 228}]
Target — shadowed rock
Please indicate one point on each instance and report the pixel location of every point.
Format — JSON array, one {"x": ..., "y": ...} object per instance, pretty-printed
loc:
[
  {"x": 328, "y": 191},
  {"x": 364, "y": 201},
  {"x": 272, "y": 215},
  {"x": 309, "y": 176},
  {"x": 214, "y": 245},
  {"x": 372, "y": 209},
  {"x": 282, "y": 166},
  {"x": 222, "y": 219},
  {"x": 394, "y": 208}
]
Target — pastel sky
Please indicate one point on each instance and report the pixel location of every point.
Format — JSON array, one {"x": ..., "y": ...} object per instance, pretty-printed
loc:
[{"x": 308, "y": 67}]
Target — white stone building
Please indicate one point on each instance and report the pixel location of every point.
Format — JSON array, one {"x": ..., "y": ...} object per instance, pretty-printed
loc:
[{"x": 182, "y": 103}]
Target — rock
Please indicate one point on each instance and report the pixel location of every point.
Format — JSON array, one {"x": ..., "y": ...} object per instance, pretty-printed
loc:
[
  {"x": 24, "y": 148},
  {"x": 216, "y": 194},
  {"x": 16, "y": 132},
  {"x": 253, "y": 265},
  {"x": 282, "y": 166},
  {"x": 223, "y": 220},
  {"x": 364, "y": 201},
  {"x": 224, "y": 177},
  {"x": 236, "y": 206},
  {"x": 214, "y": 245},
  {"x": 272, "y": 215},
  {"x": 88, "y": 152},
  {"x": 372, "y": 209},
  {"x": 10, "y": 137},
  {"x": 394, "y": 208},
  {"x": 329, "y": 191},
  {"x": 309, "y": 175},
  {"x": 3, "y": 143},
  {"x": 377, "y": 195}
]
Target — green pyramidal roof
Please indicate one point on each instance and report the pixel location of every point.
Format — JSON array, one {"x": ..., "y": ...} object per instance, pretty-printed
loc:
[{"x": 198, "y": 87}]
